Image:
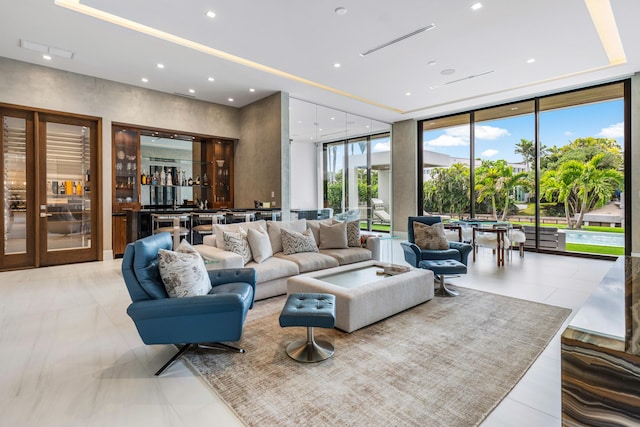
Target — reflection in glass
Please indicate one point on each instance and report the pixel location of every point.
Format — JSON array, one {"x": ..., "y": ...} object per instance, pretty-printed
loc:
[
  {"x": 14, "y": 185},
  {"x": 68, "y": 201}
]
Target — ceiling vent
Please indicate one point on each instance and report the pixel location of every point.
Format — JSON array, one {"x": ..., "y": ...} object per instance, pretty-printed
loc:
[
  {"x": 399, "y": 39},
  {"x": 44, "y": 49}
]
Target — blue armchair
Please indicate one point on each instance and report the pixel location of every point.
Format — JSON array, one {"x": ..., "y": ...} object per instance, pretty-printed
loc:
[
  {"x": 213, "y": 318},
  {"x": 446, "y": 261}
]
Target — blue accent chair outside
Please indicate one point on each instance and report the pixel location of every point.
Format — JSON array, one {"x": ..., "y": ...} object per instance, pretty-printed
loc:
[{"x": 190, "y": 321}]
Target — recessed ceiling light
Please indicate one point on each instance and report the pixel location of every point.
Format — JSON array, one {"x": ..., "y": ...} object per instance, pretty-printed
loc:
[
  {"x": 230, "y": 99},
  {"x": 333, "y": 118},
  {"x": 161, "y": 66},
  {"x": 340, "y": 11},
  {"x": 252, "y": 90},
  {"x": 47, "y": 57},
  {"x": 476, "y": 6},
  {"x": 408, "y": 93},
  {"x": 531, "y": 61},
  {"x": 210, "y": 14},
  {"x": 431, "y": 63},
  {"x": 145, "y": 80},
  {"x": 211, "y": 79},
  {"x": 447, "y": 71},
  {"x": 192, "y": 91},
  {"x": 337, "y": 65}
]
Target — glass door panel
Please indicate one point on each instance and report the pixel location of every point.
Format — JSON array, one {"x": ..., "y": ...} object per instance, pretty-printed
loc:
[
  {"x": 16, "y": 193},
  {"x": 66, "y": 212}
]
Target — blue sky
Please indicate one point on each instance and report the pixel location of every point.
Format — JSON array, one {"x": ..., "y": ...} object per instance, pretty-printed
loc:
[{"x": 496, "y": 139}]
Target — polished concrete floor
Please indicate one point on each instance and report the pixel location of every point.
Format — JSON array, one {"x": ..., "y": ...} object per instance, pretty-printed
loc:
[{"x": 70, "y": 356}]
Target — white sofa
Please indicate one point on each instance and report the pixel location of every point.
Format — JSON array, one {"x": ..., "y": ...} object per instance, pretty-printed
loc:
[{"x": 273, "y": 272}]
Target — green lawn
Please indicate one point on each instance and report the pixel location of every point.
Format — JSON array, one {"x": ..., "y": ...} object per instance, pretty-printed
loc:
[{"x": 595, "y": 249}]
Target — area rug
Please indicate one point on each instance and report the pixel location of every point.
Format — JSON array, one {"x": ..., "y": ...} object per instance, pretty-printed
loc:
[{"x": 447, "y": 362}]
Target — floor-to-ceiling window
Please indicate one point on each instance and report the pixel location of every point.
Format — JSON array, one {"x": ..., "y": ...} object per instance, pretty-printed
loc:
[{"x": 554, "y": 165}]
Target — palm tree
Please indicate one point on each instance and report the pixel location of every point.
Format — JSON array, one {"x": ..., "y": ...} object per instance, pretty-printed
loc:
[
  {"x": 581, "y": 186},
  {"x": 527, "y": 149}
]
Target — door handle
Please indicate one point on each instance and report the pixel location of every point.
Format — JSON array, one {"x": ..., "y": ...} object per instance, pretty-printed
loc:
[{"x": 44, "y": 214}]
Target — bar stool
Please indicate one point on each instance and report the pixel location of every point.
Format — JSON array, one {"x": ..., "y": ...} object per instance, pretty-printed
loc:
[
  {"x": 176, "y": 224},
  {"x": 202, "y": 223}
]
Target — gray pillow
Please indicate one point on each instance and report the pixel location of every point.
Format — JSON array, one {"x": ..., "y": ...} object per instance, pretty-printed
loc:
[
  {"x": 274, "y": 229},
  {"x": 430, "y": 237},
  {"x": 333, "y": 236},
  {"x": 183, "y": 273},
  {"x": 294, "y": 242}
]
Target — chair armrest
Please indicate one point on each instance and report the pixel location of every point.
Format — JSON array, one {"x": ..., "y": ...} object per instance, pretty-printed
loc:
[
  {"x": 229, "y": 275},
  {"x": 463, "y": 248},
  {"x": 185, "y": 307},
  {"x": 412, "y": 253},
  {"x": 373, "y": 244}
]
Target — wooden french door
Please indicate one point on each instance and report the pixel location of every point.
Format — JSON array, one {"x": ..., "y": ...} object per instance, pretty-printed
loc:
[{"x": 49, "y": 195}]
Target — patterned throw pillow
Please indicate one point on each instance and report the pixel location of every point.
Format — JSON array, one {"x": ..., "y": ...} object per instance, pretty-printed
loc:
[
  {"x": 238, "y": 243},
  {"x": 430, "y": 237},
  {"x": 353, "y": 234},
  {"x": 294, "y": 242},
  {"x": 183, "y": 273}
]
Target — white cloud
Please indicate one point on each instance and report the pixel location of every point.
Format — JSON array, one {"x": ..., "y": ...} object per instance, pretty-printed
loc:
[
  {"x": 382, "y": 146},
  {"x": 568, "y": 133},
  {"x": 447, "y": 141},
  {"x": 489, "y": 153},
  {"x": 490, "y": 132},
  {"x": 613, "y": 131}
]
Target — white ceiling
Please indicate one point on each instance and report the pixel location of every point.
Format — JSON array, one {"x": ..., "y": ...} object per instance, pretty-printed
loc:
[{"x": 291, "y": 46}]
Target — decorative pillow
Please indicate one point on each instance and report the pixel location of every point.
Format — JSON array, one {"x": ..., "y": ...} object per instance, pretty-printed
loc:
[
  {"x": 333, "y": 236},
  {"x": 183, "y": 273},
  {"x": 238, "y": 243},
  {"x": 353, "y": 234},
  {"x": 274, "y": 228},
  {"x": 294, "y": 242},
  {"x": 186, "y": 248},
  {"x": 314, "y": 225},
  {"x": 430, "y": 237},
  {"x": 218, "y": 229},
  {"x": 260, "y": 244}
]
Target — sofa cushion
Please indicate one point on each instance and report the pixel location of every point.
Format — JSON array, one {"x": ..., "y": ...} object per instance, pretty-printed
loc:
[
  {"x": 218, "y": 229},
  {"x": 310, "y": 261},
  {"x": 430, "y": 237},
  {"x": 274, "y": 228},
  {"x": 273, "y": 268},
  {"x": 183, "y": 274},
  {"x": 314, "y": 225},
  {"x": 348, "y": 256},
  {"x": 353, "y": 234},
  {"x": 260, "y": 244},
  {"x": 238, "y": 243},
  {"x": 333, "y": 236},
  {"x": 294, "y": 242}
]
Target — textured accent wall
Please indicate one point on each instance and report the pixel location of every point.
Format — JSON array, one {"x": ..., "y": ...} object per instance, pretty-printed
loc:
[
  {"x": 262, "y": 154},
  {"x": 404, "y": 172}
]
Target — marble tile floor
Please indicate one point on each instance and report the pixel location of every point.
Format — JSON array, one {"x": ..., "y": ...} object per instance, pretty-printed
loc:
[{"x": 70, "y": 356}]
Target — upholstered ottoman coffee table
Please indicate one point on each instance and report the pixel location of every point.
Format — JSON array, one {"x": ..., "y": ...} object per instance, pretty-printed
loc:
[{"x": 363, "y": 296}]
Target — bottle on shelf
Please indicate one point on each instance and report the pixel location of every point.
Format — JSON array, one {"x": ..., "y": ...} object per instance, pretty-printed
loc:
[
  {"x": 143, "y": 178},
  {"x": 190, "y": 182},
  {"x": 78, "y": 189},
  {"x": 69, "y": 187},
  {"x": 163, "y": 177},
  {"x": 63, "y": 189},
  {"x": 205, "y": 179},
  {"x": 169, "y": 177},
  {"x": 197, "y": 182}
]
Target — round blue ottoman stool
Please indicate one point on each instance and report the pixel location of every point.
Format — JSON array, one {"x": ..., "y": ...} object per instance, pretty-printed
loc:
[
  {"x": 309, "y": 310},
  {"x": 442, "y": 267}
]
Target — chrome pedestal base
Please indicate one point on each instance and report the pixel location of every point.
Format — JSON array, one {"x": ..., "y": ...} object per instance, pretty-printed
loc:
[
  {"x": 310, "y": 350},
  {"x": 443, "y": 291}
]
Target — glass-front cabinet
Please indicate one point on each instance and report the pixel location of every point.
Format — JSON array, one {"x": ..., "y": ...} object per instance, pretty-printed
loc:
[{"x": 160, "y": 170}]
